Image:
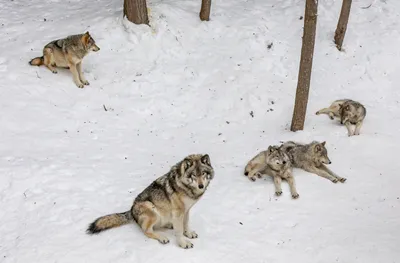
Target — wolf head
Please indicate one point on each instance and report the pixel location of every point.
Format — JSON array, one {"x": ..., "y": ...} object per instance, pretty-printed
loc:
[
  {"x": 196, "y": 172},
  {"x": 347, "y": 111},
  {"x": 320, "y": 153},
  {"x": 89, "y": 42},
  {"x": 277, "y": 159}
]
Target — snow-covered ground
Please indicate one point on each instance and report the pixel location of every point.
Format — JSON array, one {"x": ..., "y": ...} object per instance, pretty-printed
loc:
[{"x": 185, "y": 86}]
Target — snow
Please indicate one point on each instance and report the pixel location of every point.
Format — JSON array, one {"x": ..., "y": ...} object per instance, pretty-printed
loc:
[{"x": 185, "y": 86}]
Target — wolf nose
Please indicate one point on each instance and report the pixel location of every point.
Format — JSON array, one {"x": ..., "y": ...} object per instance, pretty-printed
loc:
[
  {"x": 201, "y": 186},
  {"x": 284, "y": 162},
  {"x": 330, "y": 162}
]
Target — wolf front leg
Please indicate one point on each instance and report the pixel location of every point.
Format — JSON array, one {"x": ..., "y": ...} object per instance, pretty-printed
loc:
[
  {"x": 358, "y": 128},
  {"x": 177, "y": 223},
  {"x": 349, "y": 128},
  {"x": 72, "y": 67},
  {"x": 321, "y": 172},
  {"x": 277, "y": 183},
  {"x": 81, "y": 77},
  {"x": 186, "y": 230},
  {"x": 292, "y": 185},
  {"x": 341, "y": 179}
]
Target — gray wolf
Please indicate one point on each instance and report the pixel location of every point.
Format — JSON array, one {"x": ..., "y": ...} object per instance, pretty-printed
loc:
[
  {"x": 349, "y": 112},
  {"x": 312, "y": 157},
  {"x": 273, "y": 162},
  {"x": 166, "y": 202},
  {"x": 68, "y": 53}
]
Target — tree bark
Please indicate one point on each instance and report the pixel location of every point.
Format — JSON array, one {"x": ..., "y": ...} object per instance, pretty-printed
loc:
[
  {"x": 342, "y": 23},
  {"x": 136, "y": 11},
  {"x": 306, "y": 59},
  {"x": 205, "y": 10}
]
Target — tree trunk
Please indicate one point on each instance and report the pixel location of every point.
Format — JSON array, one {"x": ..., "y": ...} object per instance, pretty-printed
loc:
[
  {"x": 136, "y": 11},
  {"x": 205, "y": 10},
  {"x": 307, "y": 52},
  {"x": 342, "y": 23}
]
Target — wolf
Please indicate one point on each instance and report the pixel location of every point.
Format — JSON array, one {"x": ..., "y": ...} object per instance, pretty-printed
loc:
[
  {"x": 166, "y": 202},
  {"x": 68, "y": 53},
  {"x": 273, "y": 162},
  {"x": 349, "y": 112},
  {"x": 312, "y": 157}
]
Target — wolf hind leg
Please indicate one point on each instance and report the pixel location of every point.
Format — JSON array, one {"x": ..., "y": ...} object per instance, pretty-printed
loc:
[
  {"x": 48, "y": 59},
  {"x": 327, "y": 111},
  {"x": 147, "y": 220},
  {"x": 256, "y": 172}
]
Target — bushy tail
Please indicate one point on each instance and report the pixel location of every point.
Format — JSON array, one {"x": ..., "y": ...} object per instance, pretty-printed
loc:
[
  {"x": 109, "y": 221},
  {"x": 38, "y": 61}
]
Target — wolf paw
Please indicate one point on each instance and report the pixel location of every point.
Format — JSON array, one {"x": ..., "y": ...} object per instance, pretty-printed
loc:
[
  {"x": 54, "y": 71},
  {"x": 259, "y": 175},
  {"x": 278, "y": 193},
  {"x": 335, "y": 181},
  {"x": 253, "y": 179},
  {"x": 190, "y": 234},
  {"x": 295, "y": 196},
  {"x": 342, "y": 180},
  {"x": 85, "y": 82},
  {"x": 163, "y": 240},
  {"x": 80, "y": 85},
  {"x": 185, "y": 244},
  {"x": 317, "y": 113},
  {"x": 331, "y": 117}
]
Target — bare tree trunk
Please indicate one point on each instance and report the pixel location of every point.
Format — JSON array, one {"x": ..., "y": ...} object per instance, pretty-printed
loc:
[
  {"x": 136, "y": 11},
  {"x": 205, "y": 10},
  {"x": 342, "y": 23},
  {"x": 307, "y": 52}
]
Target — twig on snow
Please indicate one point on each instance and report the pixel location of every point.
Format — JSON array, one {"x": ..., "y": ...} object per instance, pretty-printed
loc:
[{"x": 366, "y": 7}]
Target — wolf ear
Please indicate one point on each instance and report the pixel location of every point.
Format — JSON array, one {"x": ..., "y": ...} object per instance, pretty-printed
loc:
[
  {"x": 186, "y": 163},
  {"x": 85, "y": 37},
  {"x": 206, "y": 159},
  {"x": 323, "y": 143},
  {"x": 271, "y": 149},
  {"x": 317, "y": 148}
]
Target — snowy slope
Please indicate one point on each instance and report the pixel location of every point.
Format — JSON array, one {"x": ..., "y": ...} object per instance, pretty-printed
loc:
[{"x": 184, "y": 87}]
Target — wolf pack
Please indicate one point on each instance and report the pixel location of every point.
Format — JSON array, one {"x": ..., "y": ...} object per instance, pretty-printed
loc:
[{"x": 167, "y": 201}]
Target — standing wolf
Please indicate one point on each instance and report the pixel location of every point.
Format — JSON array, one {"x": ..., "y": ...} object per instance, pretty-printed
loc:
[
  {"x": 67, "y": 53},
  {"x": 166, "y": 202},
  {"x": 312, "y": 158},
  {"x": 349, "y": 112},
  {"x": 273, "y": 162}
]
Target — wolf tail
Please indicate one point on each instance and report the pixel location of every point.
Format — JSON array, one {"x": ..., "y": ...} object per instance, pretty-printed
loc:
[
  {"x": 109, "y": 221},
  {"x": 38, "y": 61}
]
